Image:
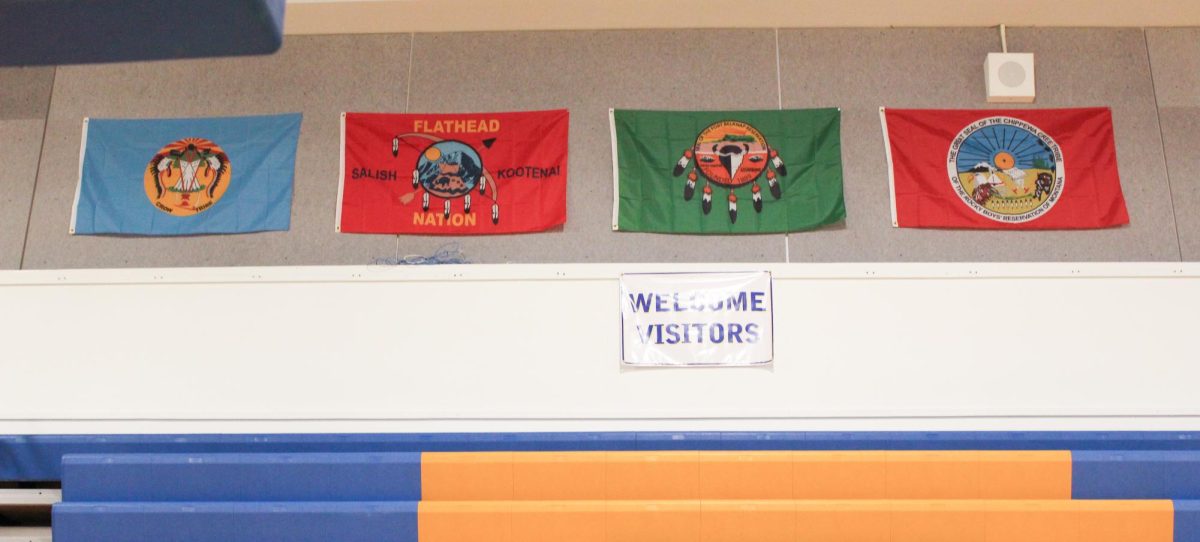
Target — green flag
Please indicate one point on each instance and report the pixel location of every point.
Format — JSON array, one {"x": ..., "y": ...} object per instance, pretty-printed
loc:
[{"x": 727, "y": 171}]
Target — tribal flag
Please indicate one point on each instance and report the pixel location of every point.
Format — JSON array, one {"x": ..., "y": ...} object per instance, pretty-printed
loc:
[
  {"x": 457, "y": 174},
  {"x": 722, "y": 172},
  {"x": 1003, "y": 169},
  {"x": 186, "y": 176}
]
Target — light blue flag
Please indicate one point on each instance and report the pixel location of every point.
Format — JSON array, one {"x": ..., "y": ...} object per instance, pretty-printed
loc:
[{"x": 186, "y": 176}]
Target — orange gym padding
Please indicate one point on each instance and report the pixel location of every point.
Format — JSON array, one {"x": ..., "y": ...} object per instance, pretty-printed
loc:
[
  {"x": 502, "y": 476},
  {"x": 797, "y": 521},
  {"x": 769, "y": 496}
]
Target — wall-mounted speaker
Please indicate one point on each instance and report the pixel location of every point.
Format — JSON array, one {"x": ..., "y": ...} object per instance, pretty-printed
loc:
[{"x": 1010, "y": 78}]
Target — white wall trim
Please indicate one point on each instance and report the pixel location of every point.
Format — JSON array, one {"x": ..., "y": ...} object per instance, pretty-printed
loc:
[
  {"x": 151, "y": 427},
  {"x": 577, "y": 272},
  {"x": 396, "y": 16}
]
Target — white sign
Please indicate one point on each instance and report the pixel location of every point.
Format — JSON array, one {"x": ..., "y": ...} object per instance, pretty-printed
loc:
[{"x": 696, "y": 319}]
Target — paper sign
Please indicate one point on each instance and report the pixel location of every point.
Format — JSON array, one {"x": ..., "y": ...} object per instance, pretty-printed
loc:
[{"x": 696, "y": 319}]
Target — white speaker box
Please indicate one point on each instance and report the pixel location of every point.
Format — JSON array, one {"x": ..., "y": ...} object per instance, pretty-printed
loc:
[{"x": 1009, "y": 78}]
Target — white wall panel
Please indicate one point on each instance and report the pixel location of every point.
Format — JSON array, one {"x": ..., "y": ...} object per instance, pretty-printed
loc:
[{"x": 540, "y": 342}]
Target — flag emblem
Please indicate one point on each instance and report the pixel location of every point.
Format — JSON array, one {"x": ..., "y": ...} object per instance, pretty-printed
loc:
[
  {"x": 1006, "y": 169},
  {"x": 450, "y": 169},
  {"x": 730, "y": 154},
  {"x": 187, "y": 176}
]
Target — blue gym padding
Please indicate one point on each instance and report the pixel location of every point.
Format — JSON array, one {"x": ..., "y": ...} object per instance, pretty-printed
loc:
[
  {"x": 45, "y": 32},
  {"x": 1187, "y": 521},
  {"x": 1135, "y": 475},
  {"x": 242, "y": 477},
  {"x": 236, "y": 522},
  {"x": 397, "y": 476},
  {"x": 1105, "y": 474},
  {"x": 39, "y": 457}
]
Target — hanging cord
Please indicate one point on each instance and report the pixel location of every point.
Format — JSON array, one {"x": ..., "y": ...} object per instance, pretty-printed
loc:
[
  {"x": 449, "y": 253},
  {"x": 1003, "y": 38}
]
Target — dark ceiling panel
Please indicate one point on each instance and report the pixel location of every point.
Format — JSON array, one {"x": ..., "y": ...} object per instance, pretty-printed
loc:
[{"x": 43, "y": 32}]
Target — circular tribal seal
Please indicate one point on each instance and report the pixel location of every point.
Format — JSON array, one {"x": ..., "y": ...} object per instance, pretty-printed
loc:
[
  {"x": 449, "y": 169},
  {"x": 187, "y": 176},
  {"x": 731, "y": 153},
  {"x": 1006, "y": 169}
]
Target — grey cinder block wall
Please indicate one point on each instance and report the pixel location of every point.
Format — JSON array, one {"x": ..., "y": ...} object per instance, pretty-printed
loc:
[{"x": 1150, "y": 77}]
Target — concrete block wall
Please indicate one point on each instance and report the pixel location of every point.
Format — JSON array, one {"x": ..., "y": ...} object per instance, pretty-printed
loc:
[{"x": 1148, "y": 76}]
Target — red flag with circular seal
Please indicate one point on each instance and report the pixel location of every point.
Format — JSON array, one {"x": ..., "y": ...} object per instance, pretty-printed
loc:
[
  {"x": 453, "y": 174},
  {"x": 1003, "y": 169}
]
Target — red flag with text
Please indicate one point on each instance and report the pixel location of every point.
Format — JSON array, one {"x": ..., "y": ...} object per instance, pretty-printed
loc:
[
  {"x": 1003, "y": 169},
  {"x": 456, "y": 174}
]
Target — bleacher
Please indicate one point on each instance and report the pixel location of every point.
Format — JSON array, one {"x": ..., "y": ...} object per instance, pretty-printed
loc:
[{"x": 617, "y": 487}]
